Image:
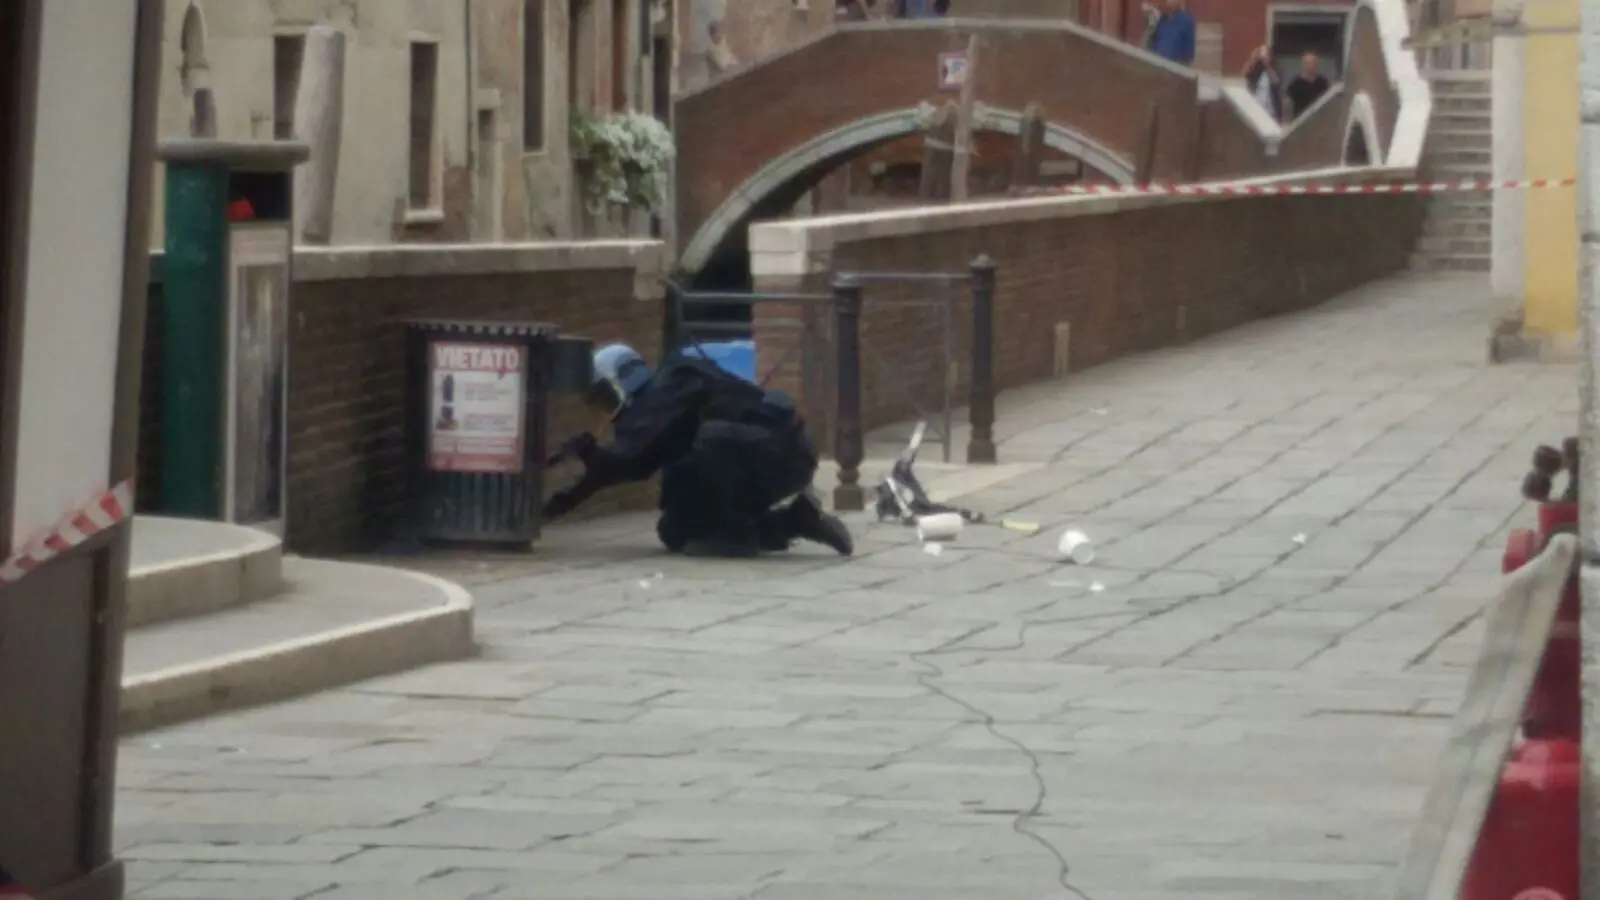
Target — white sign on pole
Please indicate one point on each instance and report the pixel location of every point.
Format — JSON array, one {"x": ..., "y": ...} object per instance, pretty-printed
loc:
[{"x": 952, "y": 70}]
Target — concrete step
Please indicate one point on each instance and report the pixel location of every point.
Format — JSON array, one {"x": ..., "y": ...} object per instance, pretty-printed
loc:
[
  {"x": 1469, "y": 157},
  {"x": 1474, "y": 203},
  {"x": 183, "y": 567},
  {"x": 1453, "y": 171},
  {"x": 1440, "y": 208},
  {"x": 1436, "y": 227},
  {"x": 1424, "y": 262},
  {"x": 1460, "y": 138},
  {"x": 1456, "y": 104},
  {"x": 1460, "y": 120},
  {"x": 326, "y": 624},
  {"x": 1461, "y": 87},
  {"x": 1454, "y": 246}
]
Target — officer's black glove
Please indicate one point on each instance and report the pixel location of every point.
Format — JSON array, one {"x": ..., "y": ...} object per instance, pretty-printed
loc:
[
  {"x": 559, "y": 504},
  {"x": 576, "y": 447}
]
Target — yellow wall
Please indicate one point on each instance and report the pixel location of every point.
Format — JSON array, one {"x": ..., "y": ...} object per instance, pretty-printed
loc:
[{"x": 1550, "y": 150}]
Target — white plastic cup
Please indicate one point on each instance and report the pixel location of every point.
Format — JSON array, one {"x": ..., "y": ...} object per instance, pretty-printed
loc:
[
  {"x": 939, "y": 527},
  {"x": 1076, "y": 546}
]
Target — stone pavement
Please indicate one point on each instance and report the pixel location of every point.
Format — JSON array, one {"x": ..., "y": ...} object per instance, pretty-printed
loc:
[{"x": 1298, "y": 523}]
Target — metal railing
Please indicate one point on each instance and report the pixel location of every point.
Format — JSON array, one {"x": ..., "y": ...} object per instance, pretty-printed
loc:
[
  {"x": 846, "y": 300},
  {"x": 944, "y": 306}
]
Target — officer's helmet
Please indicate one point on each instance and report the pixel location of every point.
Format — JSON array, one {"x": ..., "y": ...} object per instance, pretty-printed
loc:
[{"x": 619, "y": 373}]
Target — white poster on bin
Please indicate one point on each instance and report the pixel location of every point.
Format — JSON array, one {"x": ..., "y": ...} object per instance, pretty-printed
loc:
[{"x": 475, "y": 407}]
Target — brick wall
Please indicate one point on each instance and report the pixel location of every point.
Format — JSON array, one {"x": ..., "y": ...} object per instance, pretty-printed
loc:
[
  {"x": 346, "y": 380},
  {"x": 1140, "y": 275}
]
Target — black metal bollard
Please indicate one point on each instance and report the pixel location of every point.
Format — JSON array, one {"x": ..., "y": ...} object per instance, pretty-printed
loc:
[
  {"x": 847, "y": 439},
  {"x": 671, "y": 320},
  {"x": 980, "y": 446}
]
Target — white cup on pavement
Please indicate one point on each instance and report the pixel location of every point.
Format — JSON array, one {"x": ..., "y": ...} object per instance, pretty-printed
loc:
[
  {"x": 939, "y": 527},
  {"x": 1076, "y": 546}
]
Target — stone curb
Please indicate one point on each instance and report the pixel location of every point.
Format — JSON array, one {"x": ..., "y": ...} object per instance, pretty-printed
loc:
[
  {"x": 303, "y": 666},
  {"x": 199, "y": 585}
]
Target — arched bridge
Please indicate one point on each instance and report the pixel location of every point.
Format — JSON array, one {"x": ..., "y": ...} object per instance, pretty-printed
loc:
[{"x": 753, "y": 141}]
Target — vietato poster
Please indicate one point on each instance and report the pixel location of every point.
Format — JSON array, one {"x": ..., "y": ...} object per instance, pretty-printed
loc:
[{"x": 476, "y": 407}]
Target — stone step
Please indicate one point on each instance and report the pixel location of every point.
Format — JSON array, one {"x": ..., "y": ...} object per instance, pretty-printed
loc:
[
  {"x": 1461, "y": 87},
  {"x": 1480, "y": 160},
  {"x": 333, "y": 623},
  {"x": 1454, "y": 171},
  {"x": 1461, "y": 121},
  {"x": 1458, "y": 104},
  {"x": 1461, "y": 137},
  {"x": 1462, "y": 205},
  {"x": 186, "y": 567},
  {"x": 1425, "y": 262},
  {"x": 1454, "y": 246},
  {"x": 1442, "y": 227}
]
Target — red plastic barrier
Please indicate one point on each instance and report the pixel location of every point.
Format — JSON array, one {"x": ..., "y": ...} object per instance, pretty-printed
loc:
[
  {"x": 1521, "y": 547},
  {"x": 1553, "y": 709},
  {"x": 1528, "y": 847}
]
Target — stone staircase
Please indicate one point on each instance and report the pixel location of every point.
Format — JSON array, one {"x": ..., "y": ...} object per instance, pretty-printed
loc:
[{"x": 1455, "y": 236}]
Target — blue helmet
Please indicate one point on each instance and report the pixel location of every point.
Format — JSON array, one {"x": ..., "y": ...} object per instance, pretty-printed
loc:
[{"x": 619, "y": 373}]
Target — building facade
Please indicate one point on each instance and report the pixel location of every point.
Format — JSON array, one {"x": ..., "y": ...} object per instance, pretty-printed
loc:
[{"x": 456, "y": 113}]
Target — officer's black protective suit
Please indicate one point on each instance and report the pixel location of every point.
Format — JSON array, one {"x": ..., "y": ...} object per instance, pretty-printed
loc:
[{"x": 735, "y": 460}]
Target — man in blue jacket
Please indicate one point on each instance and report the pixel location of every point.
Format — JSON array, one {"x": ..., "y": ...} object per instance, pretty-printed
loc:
[{"x": 1173, "y": 36}]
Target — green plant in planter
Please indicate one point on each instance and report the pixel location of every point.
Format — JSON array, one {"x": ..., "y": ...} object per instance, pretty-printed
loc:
[{"x": 628, "y": 157}]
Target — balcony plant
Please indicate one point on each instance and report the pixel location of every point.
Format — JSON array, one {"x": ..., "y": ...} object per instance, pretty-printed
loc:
[{"x": 625, "y": 158}]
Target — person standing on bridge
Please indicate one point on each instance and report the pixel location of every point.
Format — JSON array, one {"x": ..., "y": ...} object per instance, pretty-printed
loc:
[
  {"x": 720, "y": 57},
  {"x": 1172, "y": 38},
  {"x": 1308, "y": 87}
]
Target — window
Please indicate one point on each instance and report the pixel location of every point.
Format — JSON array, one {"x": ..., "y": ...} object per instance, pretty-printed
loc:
[
  {"x": 425, "y": 173},
  {"x": 288, "y": 53},
  {"x": 533, "y": 34},
  {"x": 620, "y": 68}
]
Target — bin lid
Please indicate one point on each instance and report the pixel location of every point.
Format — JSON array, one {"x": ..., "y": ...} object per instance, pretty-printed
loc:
[
  {"x": 242, "y": 156},
  {"x": 479, "y": 328}
]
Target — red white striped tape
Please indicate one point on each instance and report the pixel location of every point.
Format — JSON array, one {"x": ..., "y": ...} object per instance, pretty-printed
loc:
[
  {"x": 102, "y": 513},
  {"x": 1469, "y": 185}
]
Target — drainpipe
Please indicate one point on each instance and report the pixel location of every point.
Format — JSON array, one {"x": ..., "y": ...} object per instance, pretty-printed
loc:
[{"x": 471, "y": 41}]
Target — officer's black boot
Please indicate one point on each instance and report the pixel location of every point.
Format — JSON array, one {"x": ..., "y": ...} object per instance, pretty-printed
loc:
[
  {"x": 809, "y": 522},
  {"x": 673, "y": 532}
]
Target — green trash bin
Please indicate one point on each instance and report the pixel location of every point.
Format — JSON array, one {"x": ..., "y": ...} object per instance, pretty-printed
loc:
[{"x": 228, "y": 277}]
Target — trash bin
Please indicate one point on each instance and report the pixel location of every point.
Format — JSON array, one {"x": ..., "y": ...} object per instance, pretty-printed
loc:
[
  {"x": 477, "y": 404},
  {"x": 225, "y": 329}
]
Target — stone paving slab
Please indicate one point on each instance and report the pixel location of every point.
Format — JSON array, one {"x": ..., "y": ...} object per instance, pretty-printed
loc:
[{"x": 1243, "y": 699}]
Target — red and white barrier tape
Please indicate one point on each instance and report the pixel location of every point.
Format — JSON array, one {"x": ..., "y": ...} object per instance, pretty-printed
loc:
[
  {"x": 103, "y": 512},
  {"x": 1226, "y": 189}
]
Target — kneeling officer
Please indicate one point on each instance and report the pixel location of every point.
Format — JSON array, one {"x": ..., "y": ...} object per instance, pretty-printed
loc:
[{"x": 735, "y": 460}]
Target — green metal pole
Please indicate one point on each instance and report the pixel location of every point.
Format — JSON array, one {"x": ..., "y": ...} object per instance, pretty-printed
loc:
[{"x": 193, "y": 303}]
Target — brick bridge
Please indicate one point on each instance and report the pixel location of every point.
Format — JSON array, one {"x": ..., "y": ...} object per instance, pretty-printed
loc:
[{"x": 751, "y": 143}]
